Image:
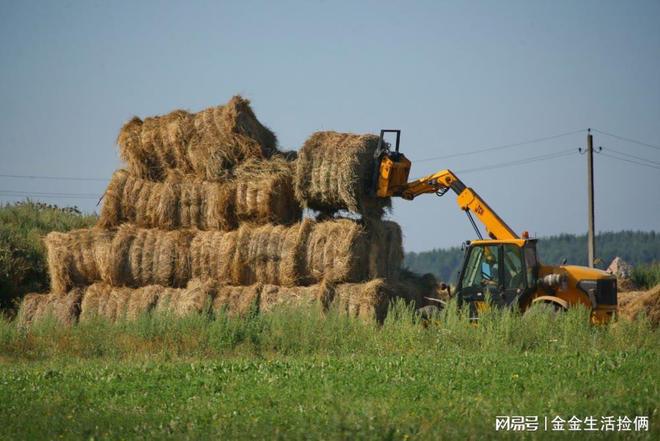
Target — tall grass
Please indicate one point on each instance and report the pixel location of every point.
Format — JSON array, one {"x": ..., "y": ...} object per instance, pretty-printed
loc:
[{"x": 308, "y": 331}]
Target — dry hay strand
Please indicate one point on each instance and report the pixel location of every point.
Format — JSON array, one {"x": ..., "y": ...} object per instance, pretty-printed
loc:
[
  {"x": 205, "y": 144},
  {"x": 141, "y": 257},
  {"x": 195, "y": 298},
  {"x": 117, "y": 303},
  {"x": 77, "y": 258},
  {"x": 334, "y": 172},
  {"x": 634, "y": 304},
  {"x": 367, "y": 301},
  {"x": 237, "y": 300},
  {"x": 64, "y": 308},
  {"x": 261, "y": 192}
]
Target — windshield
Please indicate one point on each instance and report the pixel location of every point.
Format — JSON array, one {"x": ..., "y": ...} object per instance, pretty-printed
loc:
[{"x": 482, "y": 269}]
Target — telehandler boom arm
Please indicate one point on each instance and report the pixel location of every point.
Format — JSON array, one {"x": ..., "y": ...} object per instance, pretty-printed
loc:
[
  {"x": 439, "y": 183},
  {"x": 468, "y": 200},
  {"x": 391, "y": 179}
]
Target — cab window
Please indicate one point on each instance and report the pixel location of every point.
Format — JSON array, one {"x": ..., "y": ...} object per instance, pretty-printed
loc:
[
  {"x": 514, "y": 273},
  {"x": 482, "y": 268},
  {"x": 531, "y": 263}
]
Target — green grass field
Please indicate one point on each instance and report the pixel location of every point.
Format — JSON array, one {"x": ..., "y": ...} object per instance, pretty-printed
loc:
[{"x": 295, "y": 374}]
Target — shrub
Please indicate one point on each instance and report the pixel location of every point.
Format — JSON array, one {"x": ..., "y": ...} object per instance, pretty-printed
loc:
[{"x": 22, "y": 254}]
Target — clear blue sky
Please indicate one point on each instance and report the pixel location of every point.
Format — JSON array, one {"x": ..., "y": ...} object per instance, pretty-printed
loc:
[{"x": 454, "y": 76}]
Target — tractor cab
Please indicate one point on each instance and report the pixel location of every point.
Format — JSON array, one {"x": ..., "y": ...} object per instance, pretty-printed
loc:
[{"x": 504, "y": 272}]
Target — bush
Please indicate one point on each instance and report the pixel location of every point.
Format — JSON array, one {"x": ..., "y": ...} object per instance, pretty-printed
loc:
[
  {"x": 646, "y": 276},
  {"x": 22, "y": 253}
]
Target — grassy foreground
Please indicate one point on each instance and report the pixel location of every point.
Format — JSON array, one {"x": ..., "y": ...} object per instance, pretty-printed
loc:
[{"x": 294, "y": 374}]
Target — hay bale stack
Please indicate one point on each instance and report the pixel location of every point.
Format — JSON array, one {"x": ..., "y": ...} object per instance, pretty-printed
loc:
[
  {"x": 64, "y": 308},
  {"x": 207, "y": 216},
  {"x": 634, "y": 304},
  {"x": 334, "y": 172},
  {"x": 205, "y": 144},
  {"x": 261, "y": 192},
  {"x": 78, "y": 257}
]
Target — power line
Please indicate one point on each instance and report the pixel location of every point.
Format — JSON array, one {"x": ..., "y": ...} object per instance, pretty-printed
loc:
[
  {"x": 524, "y": 161},
  {"x": 639, "y": 158},
  {"x": 57, "y": 178},
  {"x": 623, "y": 138},
  {"x": 630, "y": 161},
  {"x": 18, "y": 193},
  {"x": 500, "y": 147}
]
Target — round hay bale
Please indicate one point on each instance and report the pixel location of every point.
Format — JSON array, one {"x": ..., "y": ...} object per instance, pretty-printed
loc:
[
  {"x": 334, "y": 172},
  {"x": 368, "y": 301},
  {"x": 77, "y": 257},
  {"x": 64, "y": 308}
]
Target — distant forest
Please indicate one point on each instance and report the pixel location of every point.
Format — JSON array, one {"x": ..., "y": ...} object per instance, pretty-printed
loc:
[{"x": 635, "y": 247}]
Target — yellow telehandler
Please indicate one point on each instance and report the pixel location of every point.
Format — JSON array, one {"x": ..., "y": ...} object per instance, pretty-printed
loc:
[{"x": 503, "y": 268}]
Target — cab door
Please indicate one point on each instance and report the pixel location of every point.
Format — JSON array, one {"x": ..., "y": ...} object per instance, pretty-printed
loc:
[{"x": 514, "y": 274}]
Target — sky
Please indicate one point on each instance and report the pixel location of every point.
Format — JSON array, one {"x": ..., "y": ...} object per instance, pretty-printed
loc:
[{"x": 455, "y": 77}]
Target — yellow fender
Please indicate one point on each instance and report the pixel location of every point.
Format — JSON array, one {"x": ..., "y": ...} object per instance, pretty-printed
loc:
[{"x": 551, "y": 299}]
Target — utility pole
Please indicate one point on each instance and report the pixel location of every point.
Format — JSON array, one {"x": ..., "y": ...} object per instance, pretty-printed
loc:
[{"x": 591, "y": 242}]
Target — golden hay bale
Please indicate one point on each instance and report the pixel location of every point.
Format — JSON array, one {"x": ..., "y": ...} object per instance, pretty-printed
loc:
[
  {"x": 338, "y": 251},
  {"x": 633, "y": 304},
  {"x": 334, "y": 172},
  {"x": 196, "y": 297},
  {"x": 367, "y": 301},
  {"x": 211, "y": 254},
  {"x": 64, "y": 308},
  {"x": 117, "y": 303},
  {"x": 261, "y": 192},
  {"x": 265, "y": 192},
  {"x": 237, "y": 300},
  {"x": 205, "y": 144},
  {"x": 141, "y": 257},
  {"x": 77, "y": 257}
]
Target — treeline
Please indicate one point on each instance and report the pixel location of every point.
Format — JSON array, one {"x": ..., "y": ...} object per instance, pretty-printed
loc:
[{"x": 635, "y": 247}]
